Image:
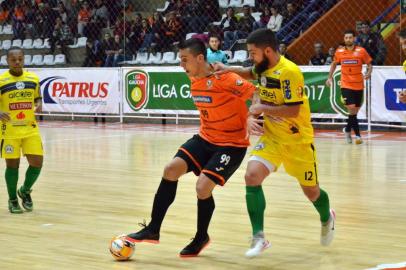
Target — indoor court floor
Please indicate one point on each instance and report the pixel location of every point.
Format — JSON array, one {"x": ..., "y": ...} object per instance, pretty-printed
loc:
[{"x": 99, "y": 181}]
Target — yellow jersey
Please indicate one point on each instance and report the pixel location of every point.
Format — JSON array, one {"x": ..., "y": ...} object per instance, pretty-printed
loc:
[
  {"x": 18, "y": 95},
  {"x": 404, "y": 66},
  {"x": 283, "y": 84}
]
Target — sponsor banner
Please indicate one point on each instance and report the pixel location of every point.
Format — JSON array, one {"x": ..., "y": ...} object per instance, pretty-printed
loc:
[
  {"x": 387, "y": 83},
  {"x": 80, "y": 90},
  {"x": 157, "y": 90},
  {"x": 167, "y": 90}
]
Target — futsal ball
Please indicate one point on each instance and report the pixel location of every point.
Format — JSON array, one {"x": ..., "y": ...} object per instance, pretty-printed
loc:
[{"x": 121, "y": 248}]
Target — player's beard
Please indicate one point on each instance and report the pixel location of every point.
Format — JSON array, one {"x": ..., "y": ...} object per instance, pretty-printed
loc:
[
  {"x": 349, "y": 44},
  {"x": 262, "y": 66}
]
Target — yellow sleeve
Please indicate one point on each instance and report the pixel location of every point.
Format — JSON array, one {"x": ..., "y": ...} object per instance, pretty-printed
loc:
[{"x": 292, "y": 83}]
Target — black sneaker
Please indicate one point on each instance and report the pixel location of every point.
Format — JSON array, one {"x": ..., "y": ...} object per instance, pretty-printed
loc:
[
  {"x": 195, "y": 247},
  {"x": 145, "y": 235},
  {"x": 14, "y": 207},
  {"x": 26, "y": 198}
]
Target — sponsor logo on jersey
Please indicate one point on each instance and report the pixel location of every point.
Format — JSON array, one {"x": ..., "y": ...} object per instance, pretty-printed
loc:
[
  {"x": 20, "y": 94},
  {"x": 20, "y": 116},
  {"x": 202, "y": 99},
  {"x": 20, "y": 106},
  {"x": 349, "y": 62}
]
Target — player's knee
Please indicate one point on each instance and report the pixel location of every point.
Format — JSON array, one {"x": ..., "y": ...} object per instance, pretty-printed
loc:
[
  {"x": 202, "y": 191},
  {"x": 172, "y": 171},
  {"x": 252, "y": 178},
  {"x": 312, "y": 193}
]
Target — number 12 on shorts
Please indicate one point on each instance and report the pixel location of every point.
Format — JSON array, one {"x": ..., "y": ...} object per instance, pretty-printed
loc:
[{"x": 309, "y": 176}]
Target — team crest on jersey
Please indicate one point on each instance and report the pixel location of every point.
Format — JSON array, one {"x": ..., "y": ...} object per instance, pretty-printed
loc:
[
  {"x": 238, "y": 82},
  {"x": 20, "y": 85},
  {"x": 260, "y": 146},
  {"x": 263, "y": 81},
  {"x": 9, "y": 149},
  {"x": 209, "y": 83}
]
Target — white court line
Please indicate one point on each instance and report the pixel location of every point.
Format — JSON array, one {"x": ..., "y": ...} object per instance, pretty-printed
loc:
[
  {"x": 402, "y": 181},
  {"x": 79, "y": 138}
]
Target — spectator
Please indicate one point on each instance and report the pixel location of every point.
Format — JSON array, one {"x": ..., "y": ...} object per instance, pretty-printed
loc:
[
  {"x": 146, "y": 35},
  {"x": 129, "y": 15},
  {"x": 330, "y": 56},
  {"x": 275, "y": 21},
  {"x": 319, "y": 58},
  {"x": 214, "y": 54},
  {"x": 18, "y": 22},
  {"x": 211, "y": 9},
  {"x": 83, "y": 19},
  {"x": 264, "y": 19},
  {"x": 373, "y": 43},
  {"x": 229, "y": 23},
  {"x": 291, "y": 12},
  {"x": 99, "y": 20},
  {"x": 62, "y": 12},
  {"x": 283, "y": 51},
  {"x": 94, "y": 53},
  {"x": 115, "y": 52},
  {"x": 158, "y": 30},
  {"x": 173, "y": 29},
  {"x": 61, "y": 36},
  {"x": 4, "y": 14},
  {"x": 244, "y": 27}
]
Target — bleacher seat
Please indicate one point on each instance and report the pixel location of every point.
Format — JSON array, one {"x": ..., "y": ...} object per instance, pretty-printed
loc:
[
  {"x": 27, "y": 44},
  {"x": 1, "y": 29},
  {"x": 46, "y": 44},
  {"x": 7, "y": 29},
  {"x": 60, "y": 59},
  {"x": 27, "y": 60},
  {"x": 189, "y": 35},
  {"x": 223, "y": 3},
  {"x": 251, "y": 3},
  {"x": 81, "y": 42},
  {"x": 142, "y": 58},
  {"x": 229, "y": 55},
  {"x": 239, "y": 56},
  {"x": 3, "y": 60},
  {"x": 38, "y": 43},
  {"x": 219, "y": 22},
  {"x": 6, "y": 44},
  {"x": 176, "y": 60},
  {"x": 37, "y": 60},
  {"x": 257, "y": 16},
  {"x": 155, "y": 58},
  {"x": 17, "y": 43},
  {"x": 235, "y": 3},
  {"x": 164, "y": 8},
  {"x": 49, "y": 60},
  {"x": 168, "y": 57}
]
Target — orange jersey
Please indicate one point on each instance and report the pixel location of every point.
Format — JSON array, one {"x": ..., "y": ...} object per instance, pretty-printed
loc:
[
  {"x": 351, "y": 66},
  {"x": 223, "y": 110}
]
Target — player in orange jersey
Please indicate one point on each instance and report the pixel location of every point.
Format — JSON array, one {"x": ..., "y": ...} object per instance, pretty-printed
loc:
[
  {"x": 351, "y": 58},
  {"x": 214, "y": 154}
]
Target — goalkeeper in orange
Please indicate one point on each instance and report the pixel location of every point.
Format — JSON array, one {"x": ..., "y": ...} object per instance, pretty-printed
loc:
[{"x": 20, "y": 99}]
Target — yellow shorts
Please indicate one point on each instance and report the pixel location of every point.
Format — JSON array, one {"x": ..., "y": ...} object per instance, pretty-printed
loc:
[
  {"x": 299, "y": 160},
  {"x": 11, "y": 148}
]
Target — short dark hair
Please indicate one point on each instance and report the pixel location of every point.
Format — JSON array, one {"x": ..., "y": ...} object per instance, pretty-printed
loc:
[
  {"x": 196, "y": 46},
  {"x": 14, "y": 49},
  {"x": 402, "y": 33},
  {"x": 349, "y": 31},
  {"x": 263, "y": 38},
  {"x": 214, "y": 35}
]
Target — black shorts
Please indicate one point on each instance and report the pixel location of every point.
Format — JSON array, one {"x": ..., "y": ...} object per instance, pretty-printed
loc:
[
  {"x": 217, "y": 162},
  {"x": 351, "y": 97}
]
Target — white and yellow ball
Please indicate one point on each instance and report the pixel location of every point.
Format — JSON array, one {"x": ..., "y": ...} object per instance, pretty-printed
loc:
[{"x": 121, "y": 249}]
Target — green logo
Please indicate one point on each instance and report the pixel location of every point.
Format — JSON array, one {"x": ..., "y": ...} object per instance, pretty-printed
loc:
[
  {"x": 337, "y": 103},
  {"x": 136, "y": 89}
]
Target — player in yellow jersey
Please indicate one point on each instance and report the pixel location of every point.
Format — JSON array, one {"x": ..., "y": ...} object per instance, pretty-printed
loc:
[
  {"x": 20, "y": 99},
  {"x": 286, "y": 138},
  {"x": 402, "y": 39}
]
